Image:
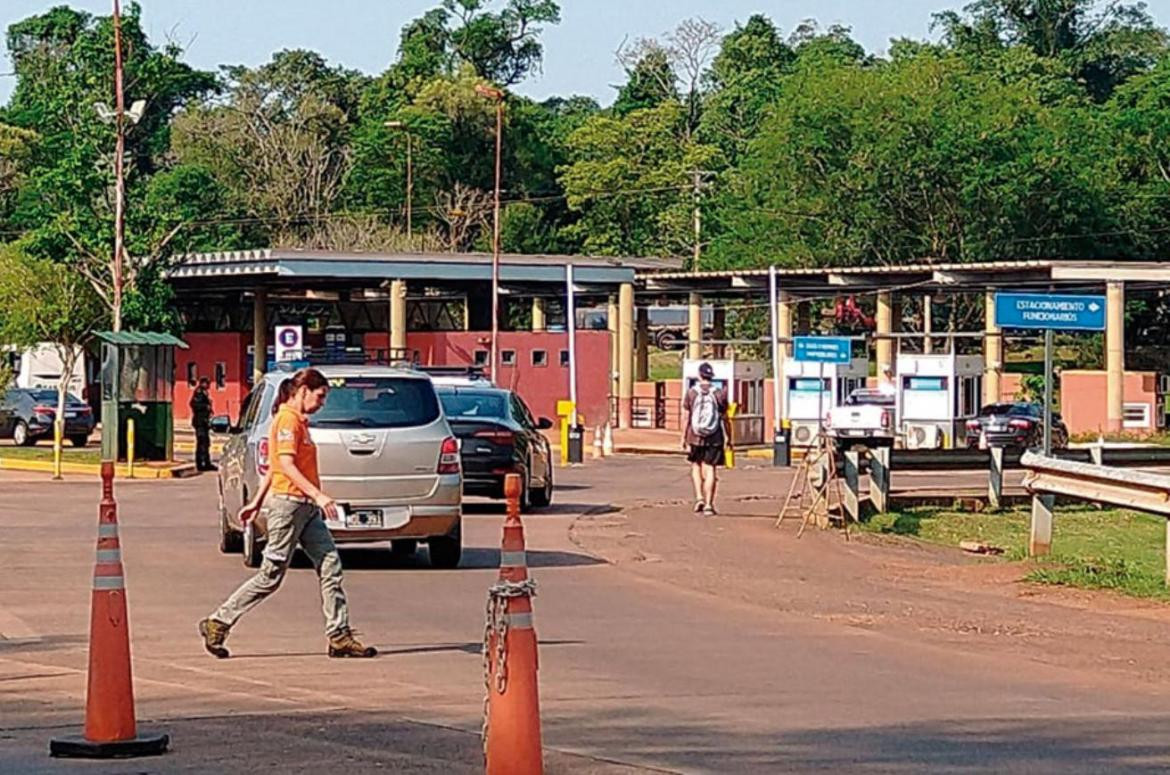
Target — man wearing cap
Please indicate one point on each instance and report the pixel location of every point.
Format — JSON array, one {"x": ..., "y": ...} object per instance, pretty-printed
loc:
[{"x": 705, "y": 435}]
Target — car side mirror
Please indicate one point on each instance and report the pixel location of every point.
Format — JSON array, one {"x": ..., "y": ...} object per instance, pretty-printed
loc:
[
  {"x": 221, "y": 424},
  {"x": 544, "y": 424}
]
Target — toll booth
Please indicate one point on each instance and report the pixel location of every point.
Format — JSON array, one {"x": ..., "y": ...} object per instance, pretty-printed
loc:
[
  {"x": 811, "y": 387},
  {"x": 936, "y": 395},
  {"x": 138, "y": 381},
  {"x": 743, "y": 382}
]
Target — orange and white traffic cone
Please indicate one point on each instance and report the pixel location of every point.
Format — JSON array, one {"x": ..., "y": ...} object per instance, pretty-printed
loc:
[
  {"x": 111, "y": 730},
  {"x": 512, "y": 743}
]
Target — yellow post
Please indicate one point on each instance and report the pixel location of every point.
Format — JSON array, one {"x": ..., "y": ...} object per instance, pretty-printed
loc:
[
  {"x": 130, "y": 448},
  {"x": 398, "y": 320},
  {"x": 566, "y": 410},
  {"x": 58, "y": 440},
  {"x": 729, "y": 452}
]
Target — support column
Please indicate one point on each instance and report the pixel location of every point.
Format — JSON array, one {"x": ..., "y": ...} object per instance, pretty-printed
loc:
[
  {"x": 626, "y": 355},
  {"x": 397, "y": 318},
  {"x": 613, "y": 321},
  {"x": 885, "y": 345},
  {"x": 719, "y": 331},
  {"x": 1114, "y": 356},
  {"x": 642, "y": 346},
  {"x": 259, "y": 335},
  {"x": 539, "y": 322},
  {"x": 992, "y": 351},
  {"x": 784, "y": 307},
  {"x": 927, "y": 323},
  {"x": 695, "y": 326}
]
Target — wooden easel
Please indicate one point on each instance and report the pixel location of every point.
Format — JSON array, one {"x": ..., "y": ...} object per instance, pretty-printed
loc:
[{"x": 814, "y": 485}]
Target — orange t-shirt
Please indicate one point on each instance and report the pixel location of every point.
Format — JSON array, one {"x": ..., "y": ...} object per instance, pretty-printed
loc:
[{"x": 289, "y": 435}]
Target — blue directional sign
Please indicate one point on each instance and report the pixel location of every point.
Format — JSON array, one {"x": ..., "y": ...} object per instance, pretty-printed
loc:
[
  {"x": 822, "y": 349},
  {"x": 1058, "y": 312}
]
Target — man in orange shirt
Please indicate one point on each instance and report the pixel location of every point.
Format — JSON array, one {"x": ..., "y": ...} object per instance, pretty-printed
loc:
[{"x": 295, "y": 514}]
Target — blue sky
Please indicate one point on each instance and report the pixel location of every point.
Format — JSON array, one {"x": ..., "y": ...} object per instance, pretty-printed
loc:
[{"x": 363, "y": 34}]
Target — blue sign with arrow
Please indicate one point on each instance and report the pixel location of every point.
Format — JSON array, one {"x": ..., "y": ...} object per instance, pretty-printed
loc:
[
  {"x": 822, "y": 349},
  {"x": 1050, "y": 311}
]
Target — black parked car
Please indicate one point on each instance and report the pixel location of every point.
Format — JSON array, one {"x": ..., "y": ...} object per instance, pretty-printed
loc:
[
  {"x": 499, "y": 437},
  {"x": 1016, "y": 425},
  {"x": 27, "y": 416}
]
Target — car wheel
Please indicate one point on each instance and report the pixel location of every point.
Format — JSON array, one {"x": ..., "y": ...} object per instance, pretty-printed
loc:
[
  {"x": 20, "y": 436},
  {"x": 403, "y": 549},
  {"x": 79, "y": 441},
  {"x": 230, "y": 541},
  {"x": 446, "y": 551},
  {"x": 252, "y": 554},
  {"x": 542, "y": 498}
]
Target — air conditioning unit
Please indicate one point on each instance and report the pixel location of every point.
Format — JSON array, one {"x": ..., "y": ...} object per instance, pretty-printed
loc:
[
  {"x": 923, "y": 437},
  {"x": 803, "y": 435}
]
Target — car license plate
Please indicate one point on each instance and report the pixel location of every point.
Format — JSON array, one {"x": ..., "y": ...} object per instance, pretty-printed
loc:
[
  {"x": 70, "y": 415},
  {"x": 364, "y": 518},
  {"x": 997, "y": 428}
]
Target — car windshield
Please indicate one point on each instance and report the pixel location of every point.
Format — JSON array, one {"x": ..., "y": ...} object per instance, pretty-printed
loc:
[
  {"x": 464, "y": 405},
  {"x": 377, "y": 402},
  {"x": 1011, "y": 410},
  {"x": 50, "y": 397}
]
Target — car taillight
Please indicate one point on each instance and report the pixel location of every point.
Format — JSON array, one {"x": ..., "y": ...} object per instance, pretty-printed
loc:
[
  {"x": 972, "y": 425},
  {"x": 1020, "y": 424},
  {"x": 44, "y": 410},
  {"x": 449, "y": 456},
  {"x": 500, "y": 437},
  {"x": 262, "y": 457}
]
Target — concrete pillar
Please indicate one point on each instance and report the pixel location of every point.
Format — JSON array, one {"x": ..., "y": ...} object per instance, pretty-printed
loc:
[
  {"x": 259, "y": 335},
  {"x": 642, "y": 346},
  {"x": 719, "y": 331},
  {"x": 851, "y": 495},
  {"x": 613, "y": 320},
  {"x": 995, "y": 480},
  {"x": 879, "y": 479},
  {"x": 885, "y": 345},
  {"x": 397, "y": 318},
  {"x": 784, "y": 307},
  {"x": 927, "y": 323},
  {"x": 1040, "y": 539},
  {"x": 539, "y": 323},
  {"x": 992, "y": 351},
  {"x": 626, "y": 355},
  {"x": 695, "y": 326},
  {"x": 1114, "y": 356}
]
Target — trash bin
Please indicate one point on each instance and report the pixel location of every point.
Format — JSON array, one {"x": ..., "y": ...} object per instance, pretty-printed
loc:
[
  {"x": 782, "y": 448},
  {"x": 576, "y": 444}
]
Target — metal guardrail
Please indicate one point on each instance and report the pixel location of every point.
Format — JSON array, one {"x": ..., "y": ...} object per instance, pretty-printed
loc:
[{"x": 980, "y": 459}]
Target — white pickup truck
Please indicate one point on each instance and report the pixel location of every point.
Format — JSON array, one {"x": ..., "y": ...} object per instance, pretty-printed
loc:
[{"x": 865, "y": 419}]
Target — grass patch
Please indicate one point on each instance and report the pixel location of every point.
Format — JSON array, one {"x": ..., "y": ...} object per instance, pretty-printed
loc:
[
  {"x": 71, "y": 454},
  {"x": 665, "y": 364},
  {"x": 1092, "y": 549}
]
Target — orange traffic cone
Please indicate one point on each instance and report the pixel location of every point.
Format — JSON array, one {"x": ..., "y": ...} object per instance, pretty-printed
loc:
[
  {"x": 512, "y": 742},
  {"x": 110, "y": 727}
]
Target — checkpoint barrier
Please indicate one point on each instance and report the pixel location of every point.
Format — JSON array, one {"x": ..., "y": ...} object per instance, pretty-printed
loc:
[
  {"x": 111, "y": 728},
  {"x": 511, "y": 734}
]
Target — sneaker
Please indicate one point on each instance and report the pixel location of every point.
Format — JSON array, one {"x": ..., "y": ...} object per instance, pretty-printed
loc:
[
  {"x": 344, "y": 644},
  {"x": 214, "y": 634},
  {"x": 699, "y": 506},
  {"x": 708, "y": 510}
]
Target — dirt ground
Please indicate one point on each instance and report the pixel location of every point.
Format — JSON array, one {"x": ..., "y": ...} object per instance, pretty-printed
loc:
[{"x": 898, "y": 587}]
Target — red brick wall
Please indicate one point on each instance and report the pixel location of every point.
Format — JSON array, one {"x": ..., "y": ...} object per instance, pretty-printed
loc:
[{"x": 206, "y": 350}]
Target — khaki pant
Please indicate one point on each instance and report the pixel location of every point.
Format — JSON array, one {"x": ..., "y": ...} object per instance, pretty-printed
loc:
[{"x": 290, "y": 521}]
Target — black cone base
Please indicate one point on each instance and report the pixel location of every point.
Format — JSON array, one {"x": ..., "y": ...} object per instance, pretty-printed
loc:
[{"x": 77, "y": 747}]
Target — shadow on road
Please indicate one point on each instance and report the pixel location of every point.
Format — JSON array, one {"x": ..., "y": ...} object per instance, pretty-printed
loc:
[
  {"x": 477, "y": 508},
  {"x": 474, "y": 558}
]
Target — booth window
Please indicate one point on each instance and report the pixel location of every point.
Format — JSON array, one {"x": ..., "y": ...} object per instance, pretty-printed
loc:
[
  {"x": 192, "y": 373},
  {"x": 540, "y": 357},
  {"x": 220, "y": 375},
  {"x": 969, "y": 396},
  {"x": 1136, "y": 416},
  {"x": 481, "y": 357},
  {"x": 564, "y": 359},
  {"x": 507, "y": 357}
]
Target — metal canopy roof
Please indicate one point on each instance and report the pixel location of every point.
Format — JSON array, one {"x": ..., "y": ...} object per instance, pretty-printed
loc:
[
  {"x": 245, "y": 270},
  {"x": 923, "y": 277},
  {"x": 140, "y": 338}
]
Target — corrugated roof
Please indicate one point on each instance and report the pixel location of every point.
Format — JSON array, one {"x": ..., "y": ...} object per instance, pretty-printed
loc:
[
  {"x": 149, "y": 338},
  {"x": 856, "y": 270}
]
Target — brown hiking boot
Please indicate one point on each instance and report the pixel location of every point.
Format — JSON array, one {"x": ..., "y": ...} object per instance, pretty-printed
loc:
[
  {"x": 214, "y": 634},
  {"x": 344, "y": 644}
]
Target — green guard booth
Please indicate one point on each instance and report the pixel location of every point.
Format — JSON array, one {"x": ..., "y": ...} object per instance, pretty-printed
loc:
[{"x": 138, "y": 381}]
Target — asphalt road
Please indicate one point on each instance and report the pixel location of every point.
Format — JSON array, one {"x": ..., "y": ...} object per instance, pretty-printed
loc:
[{"x": 636, "y": 674}]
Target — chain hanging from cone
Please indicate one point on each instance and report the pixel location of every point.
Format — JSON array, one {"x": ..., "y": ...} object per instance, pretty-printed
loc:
[
  {"x": 512, "y": 741},
  {"x": 111, "y": 729}
]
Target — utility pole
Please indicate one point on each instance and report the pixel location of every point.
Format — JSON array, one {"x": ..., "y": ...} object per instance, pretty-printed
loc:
[
  {"x": 498, "y": 96},
  {"x": 697, "y": 177},
  {"x": 409, "y": 178},
  {"x": 119, "y": 175}
]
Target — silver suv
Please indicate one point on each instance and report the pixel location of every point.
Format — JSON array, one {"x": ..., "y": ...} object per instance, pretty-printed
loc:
[{"x": 386, "y": 455}]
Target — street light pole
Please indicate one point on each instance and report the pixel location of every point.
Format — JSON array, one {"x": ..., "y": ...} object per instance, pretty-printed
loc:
[
  {"x": 409, "y": 179},
  {"x": 498, "y": 96},
  {"x": 119, "y": 175}
]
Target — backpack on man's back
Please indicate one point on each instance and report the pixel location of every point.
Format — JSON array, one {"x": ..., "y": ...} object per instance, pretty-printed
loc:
[{"x": 706, "y": 419}]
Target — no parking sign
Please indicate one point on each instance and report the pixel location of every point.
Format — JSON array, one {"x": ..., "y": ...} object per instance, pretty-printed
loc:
[{"x": 290, "y": 343}]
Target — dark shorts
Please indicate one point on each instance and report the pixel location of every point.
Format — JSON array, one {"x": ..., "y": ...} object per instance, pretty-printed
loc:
[{"x": 711, "y": 455}]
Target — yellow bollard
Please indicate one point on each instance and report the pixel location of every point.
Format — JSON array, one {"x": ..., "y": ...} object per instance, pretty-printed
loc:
[
  {"x": 130, "y": 448},
  {"x": 58, "y": 441},
  {"x": 729, "y": 453},
  {"x": 566, "y": 411}
]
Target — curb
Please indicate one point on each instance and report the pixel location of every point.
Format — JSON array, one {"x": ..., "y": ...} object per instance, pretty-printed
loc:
[{"x": 181, "y": 471}]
